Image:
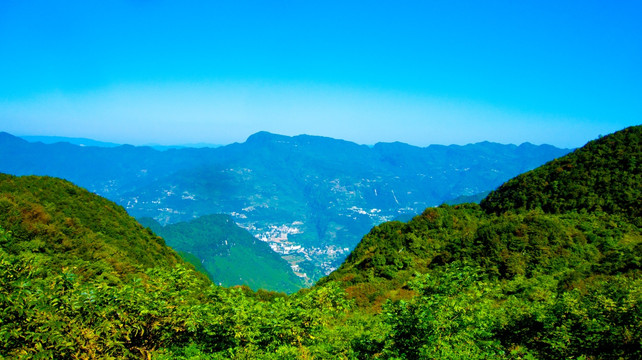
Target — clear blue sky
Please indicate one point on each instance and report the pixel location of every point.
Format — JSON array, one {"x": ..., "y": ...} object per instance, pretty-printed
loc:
[{"x": 423, "y": 72}]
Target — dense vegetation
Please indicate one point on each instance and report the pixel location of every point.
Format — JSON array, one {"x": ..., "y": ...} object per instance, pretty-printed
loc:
[
  {"x": 510, "y": 246},
  {"x": 456, "y": 282},
  {"x": 73, "y": 228},
  {"x": 228, "y": 254},
  {"x": 605, "y": 175}
]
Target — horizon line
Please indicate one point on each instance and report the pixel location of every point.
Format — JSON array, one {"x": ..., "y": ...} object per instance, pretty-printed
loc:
[{"x": 205, "y": 144}]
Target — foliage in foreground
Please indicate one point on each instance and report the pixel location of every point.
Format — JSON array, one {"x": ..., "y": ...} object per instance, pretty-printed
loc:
[
  {"x": 460, "y": 311},
  {"x": 167, "y": 315}
]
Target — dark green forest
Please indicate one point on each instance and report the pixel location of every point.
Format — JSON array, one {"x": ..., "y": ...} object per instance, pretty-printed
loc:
[{"x": 548, "y": 266}]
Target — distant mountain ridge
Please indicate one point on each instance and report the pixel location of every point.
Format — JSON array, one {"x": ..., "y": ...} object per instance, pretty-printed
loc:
[
  {"x": 310, "y": 197},
  {"x": 96, "y": 143},
  {"x": 70, "y": 140}
]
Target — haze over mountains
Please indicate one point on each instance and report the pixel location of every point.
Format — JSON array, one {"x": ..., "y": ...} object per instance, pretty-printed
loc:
[
  {"x": 91, "y": 142},
  {"x": 310, "y": 198}
]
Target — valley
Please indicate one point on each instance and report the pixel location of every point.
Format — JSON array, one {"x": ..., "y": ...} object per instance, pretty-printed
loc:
[
  {"x": 310, "y": 198},
  {"x": 553, "y": 253}
]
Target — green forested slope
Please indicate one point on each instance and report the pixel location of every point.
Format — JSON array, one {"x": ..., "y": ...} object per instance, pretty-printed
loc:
[
  {"x": 229, "y": 254},
  {"x": 72, "y": 227},
  {"x": 80, "y": 279},
  {"x": 554, "y": 276},
  {"x": 509, "y": 246},
  {"x": 583, "y": 194},
  {"x": 605, "y": 175}
]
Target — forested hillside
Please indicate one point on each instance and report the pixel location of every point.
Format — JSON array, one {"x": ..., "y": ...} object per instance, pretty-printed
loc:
[
  {"x": 79, "y": 279},
  {"x": 600, "y": 187},
  {"x": 456, "y": 282},
  {"x": 556, "y": 277},
  {"x": 71, "y": 228},
  {"x": 228, "y": 254},
  {"x": 605, "y": 175}
]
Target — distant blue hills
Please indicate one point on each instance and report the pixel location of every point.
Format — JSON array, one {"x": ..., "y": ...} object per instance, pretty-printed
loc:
[
  {"x": 90, "y": 142},
  {"x": 310, "y": 198},
  {"x": 70, "y": 140}
]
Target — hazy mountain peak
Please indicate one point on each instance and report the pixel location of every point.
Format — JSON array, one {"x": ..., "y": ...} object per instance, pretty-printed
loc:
[
  {"x": 391, "y": 145},
  {"x": 268, "y": 137},
  {"x": 6, "y": 137},
  {"x": 264, "y": 136},
  {"x": 70, "y": 140}
]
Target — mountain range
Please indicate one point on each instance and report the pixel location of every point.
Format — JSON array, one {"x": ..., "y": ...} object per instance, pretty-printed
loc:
[
  {"x": 547, "y": 266},
  {"x": 91, "y": 142},
  {"x": 310, "y": 198}
]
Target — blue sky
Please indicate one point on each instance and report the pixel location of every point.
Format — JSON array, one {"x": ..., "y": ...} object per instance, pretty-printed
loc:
[{"x": 424, "y": 72}]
